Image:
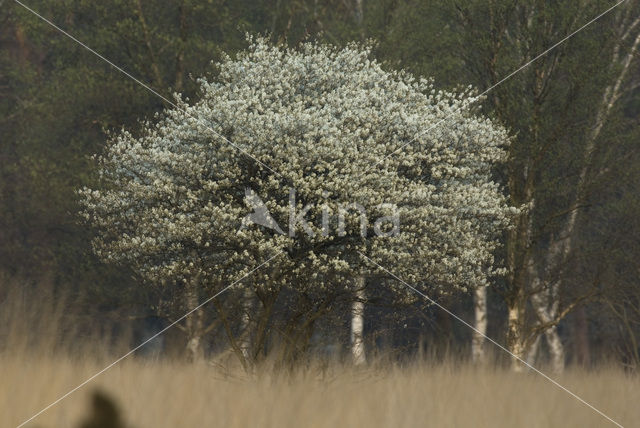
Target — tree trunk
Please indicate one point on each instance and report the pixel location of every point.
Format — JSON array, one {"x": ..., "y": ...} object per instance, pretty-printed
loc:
[
  {"x": 179, "y": 77},
  {"x": 245, "y": 324},
  {"x": 532, "y": 352},
  {"x": 546, "y": 301},
  {"x": 581, "y": 338},
  {"x": 556, "y": 349},
  {"x": 359, "y": 13},
  {"x": 262, "y": 323},
  {"x": 194, "y": 323},
  {"x": 357, "y": 323},
  {"x": 153, "y": 60},
  {"x": 478, "y": 342},
  {"x": 515, "y": 334}
]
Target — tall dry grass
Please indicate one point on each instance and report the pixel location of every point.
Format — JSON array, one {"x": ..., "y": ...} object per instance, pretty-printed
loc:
[{"x": 171, "y": 394}]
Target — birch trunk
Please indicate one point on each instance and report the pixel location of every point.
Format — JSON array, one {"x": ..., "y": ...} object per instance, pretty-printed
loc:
[
  {"x": 532, "y": 352},
  {"x": 546, "y": 301},
  {"x": 556, "y": 349},
  {"x": 478, "y": 342},
  {"x": 518, "y": 254},
  {"x": 357, "y": 323}
]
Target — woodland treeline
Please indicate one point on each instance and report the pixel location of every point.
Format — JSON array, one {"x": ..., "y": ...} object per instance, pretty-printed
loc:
[{"x": 571, "y": 294}]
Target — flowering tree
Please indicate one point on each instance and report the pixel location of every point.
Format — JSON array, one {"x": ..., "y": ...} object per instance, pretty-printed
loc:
[{"x": 326, "y": 139}]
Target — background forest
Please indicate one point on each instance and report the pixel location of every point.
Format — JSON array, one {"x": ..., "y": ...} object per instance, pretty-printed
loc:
[{"x": 571, "y": 295}]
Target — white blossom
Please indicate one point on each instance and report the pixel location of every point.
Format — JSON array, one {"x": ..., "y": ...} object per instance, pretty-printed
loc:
[{"x": 337, "y": 128}]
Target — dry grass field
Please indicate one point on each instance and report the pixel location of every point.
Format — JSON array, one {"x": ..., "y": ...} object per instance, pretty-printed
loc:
[
  {"x": 170, "y": 395},
  {"x": 41, "y": 359}
]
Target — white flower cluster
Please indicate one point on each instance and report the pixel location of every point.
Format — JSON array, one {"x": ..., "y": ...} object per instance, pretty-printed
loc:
[{"x": 329, "y": 122}]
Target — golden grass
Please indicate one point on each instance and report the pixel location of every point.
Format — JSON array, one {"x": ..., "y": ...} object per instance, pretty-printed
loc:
[{"x": 171, "y": 394}]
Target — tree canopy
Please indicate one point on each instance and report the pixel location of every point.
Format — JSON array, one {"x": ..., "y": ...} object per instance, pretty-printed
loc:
[{"x": 316, "y": 130}]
